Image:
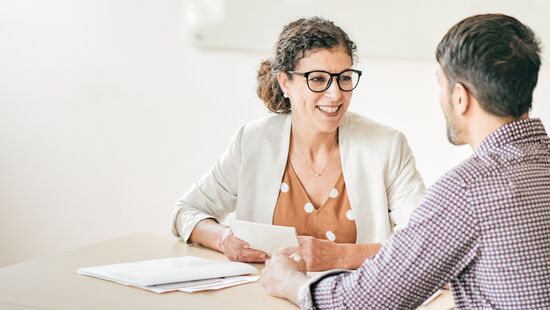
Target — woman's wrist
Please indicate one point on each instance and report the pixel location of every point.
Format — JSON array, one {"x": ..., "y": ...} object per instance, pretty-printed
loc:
[
  {"x": 355, "y": 254},
  {"x": 348, "y": 257},
  {"x": 208, "y": 233},
  {"x": 225, "y": 232}
]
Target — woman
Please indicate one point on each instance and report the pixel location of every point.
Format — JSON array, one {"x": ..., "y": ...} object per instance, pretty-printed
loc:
[{"x": 345, "y": 182}]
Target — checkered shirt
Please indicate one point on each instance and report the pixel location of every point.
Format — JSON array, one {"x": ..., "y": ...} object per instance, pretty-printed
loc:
[{"x": 484, "y": 227}]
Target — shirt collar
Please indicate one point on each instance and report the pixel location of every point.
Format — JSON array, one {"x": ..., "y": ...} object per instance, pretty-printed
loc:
[{"x": 530, "y": 129}]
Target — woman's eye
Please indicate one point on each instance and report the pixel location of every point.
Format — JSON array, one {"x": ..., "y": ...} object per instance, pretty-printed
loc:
[
  {"x": 318, "y": 79},
  {"x": 345, "y": 78}
]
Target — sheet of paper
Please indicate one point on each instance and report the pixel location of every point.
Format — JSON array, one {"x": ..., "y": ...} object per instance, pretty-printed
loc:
[
  {"x": 167, "y": 274},
  {"x": 201, "y": 285},
  {"x": 226, "y": 282},
  {"x": 434, "y": 296},
  {"x": 264, "y": 237}
]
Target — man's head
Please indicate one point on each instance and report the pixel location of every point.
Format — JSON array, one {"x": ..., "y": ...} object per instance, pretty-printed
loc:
[{"x": 493, "y": 58}]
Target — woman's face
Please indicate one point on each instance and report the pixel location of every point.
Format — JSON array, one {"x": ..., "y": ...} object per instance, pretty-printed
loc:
[{"x": 323, "y": 111}]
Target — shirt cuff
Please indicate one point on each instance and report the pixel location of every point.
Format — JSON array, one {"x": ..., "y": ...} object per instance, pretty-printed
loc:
[{"x": 305, "y": 296}]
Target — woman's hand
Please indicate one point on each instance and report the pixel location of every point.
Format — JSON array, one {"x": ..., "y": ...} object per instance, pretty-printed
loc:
[
  {"x": 322, "y": 254},
  {"x": 318, "y": 254},
  {"x": 237, "y": 250},
  {"x": 208, "y": 233}
]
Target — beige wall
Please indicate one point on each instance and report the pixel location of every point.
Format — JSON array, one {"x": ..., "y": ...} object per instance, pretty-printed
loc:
[{"x": 107, "y": 116}]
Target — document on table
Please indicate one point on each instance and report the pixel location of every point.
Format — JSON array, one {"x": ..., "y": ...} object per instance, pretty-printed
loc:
[
  {"x": 434, "y": 296},
  {"x": 186, "y": 274},
  {"x": 264, "y": 237}
]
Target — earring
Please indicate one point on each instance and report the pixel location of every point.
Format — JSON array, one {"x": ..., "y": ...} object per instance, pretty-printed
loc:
[{"x": 285, "y": 95}]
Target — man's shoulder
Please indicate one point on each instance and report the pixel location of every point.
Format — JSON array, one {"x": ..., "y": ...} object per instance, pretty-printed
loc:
[
  {"x": 448, "y": 195},
  {"x": 462, "y": 174},
  {"x": 462, "y": 177},
  {"x": 476, "y": 168}
]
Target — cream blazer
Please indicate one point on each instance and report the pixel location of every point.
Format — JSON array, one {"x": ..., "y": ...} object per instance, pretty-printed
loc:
[{"x": 379, "y": 170}]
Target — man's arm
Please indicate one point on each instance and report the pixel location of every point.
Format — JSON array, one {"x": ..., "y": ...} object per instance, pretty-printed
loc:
[{"x": 438, "y": 244}]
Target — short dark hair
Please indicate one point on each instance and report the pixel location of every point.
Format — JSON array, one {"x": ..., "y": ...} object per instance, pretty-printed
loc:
[
  {"x": 497, "y": 58},
  {"x": 295, "y": 41}
]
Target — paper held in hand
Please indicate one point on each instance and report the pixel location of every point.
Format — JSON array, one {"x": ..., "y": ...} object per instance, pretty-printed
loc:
[
  {"x": 264, "y": 237},
  {"x": 186, "y": 274}
]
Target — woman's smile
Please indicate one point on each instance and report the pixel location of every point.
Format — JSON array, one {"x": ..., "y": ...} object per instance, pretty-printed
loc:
[{"x": 329, "y": 110}]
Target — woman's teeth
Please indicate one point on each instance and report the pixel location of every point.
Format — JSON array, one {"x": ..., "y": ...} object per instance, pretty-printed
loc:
[{"x": 328, "y": 109}]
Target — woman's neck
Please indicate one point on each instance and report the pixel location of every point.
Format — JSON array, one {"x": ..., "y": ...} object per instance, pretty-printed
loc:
[{"x": 313, "y": 142}]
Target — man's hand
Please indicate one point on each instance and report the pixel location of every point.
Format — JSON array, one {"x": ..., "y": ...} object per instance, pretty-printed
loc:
[{"x": 283, "y": 277}]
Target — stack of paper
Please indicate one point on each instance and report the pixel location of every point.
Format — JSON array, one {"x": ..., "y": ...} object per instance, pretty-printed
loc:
[{"x": 186, "y": 274}]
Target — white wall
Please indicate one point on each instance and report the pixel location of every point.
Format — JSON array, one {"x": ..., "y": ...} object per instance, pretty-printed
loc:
[{"x": 107, "y": 116}]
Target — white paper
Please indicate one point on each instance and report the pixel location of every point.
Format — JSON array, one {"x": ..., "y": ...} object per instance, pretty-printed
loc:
[
  {"x": 264, "y": 237},
  {"x": 434, "y": 296},
  {"x": 225, "y": 282},
  {"x": 163, "y": 275},
  {"x": 202, "y": 285}
]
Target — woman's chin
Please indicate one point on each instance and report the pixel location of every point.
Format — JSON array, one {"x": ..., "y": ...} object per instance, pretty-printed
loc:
[{"x": 328, "y": 124}]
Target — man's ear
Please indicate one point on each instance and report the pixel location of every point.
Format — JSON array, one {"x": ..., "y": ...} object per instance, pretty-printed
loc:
[
  {"x": 460, "y": 99},
  {"x": 282, "y": 78}
]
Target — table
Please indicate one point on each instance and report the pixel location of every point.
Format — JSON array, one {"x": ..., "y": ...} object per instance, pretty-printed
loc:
[{"x": 51, "y": 282}]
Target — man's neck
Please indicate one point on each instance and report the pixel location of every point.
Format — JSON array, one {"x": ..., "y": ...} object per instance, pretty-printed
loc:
[{"x": 486, "y": 124}]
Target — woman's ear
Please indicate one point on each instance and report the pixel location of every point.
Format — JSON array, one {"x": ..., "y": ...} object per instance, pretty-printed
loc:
[
  {"x": 460, "y": 99},
  {"x": 282, "y": 79}
]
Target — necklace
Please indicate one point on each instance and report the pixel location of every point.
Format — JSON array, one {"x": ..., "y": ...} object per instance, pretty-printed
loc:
[{"x": 315, "y": 173}]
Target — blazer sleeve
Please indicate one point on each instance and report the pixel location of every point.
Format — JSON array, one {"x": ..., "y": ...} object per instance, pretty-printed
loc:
[
  {"x": 214, "y": 195},
  {"x": 405, "y": 186}
]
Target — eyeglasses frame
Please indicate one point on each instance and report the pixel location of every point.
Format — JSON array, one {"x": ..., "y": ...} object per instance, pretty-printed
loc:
[{"x": 332, "y": 75}]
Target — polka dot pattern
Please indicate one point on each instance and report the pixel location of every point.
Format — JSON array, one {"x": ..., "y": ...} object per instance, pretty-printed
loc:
[
  {"x": 350, "y": 216},
  {"x": 326, "y": 218},
  {"x": 308, "y": 207},
  {"x": 330, "y": 235},
  {"x": 284, "y": 187}
]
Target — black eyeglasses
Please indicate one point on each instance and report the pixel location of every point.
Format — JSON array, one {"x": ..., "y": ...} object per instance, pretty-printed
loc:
[{"x": 318, "y": 81}]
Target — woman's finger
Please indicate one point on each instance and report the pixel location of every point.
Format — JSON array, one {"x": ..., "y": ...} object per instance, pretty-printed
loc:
[
  {"x": 291, "y": 250},
  {"x": 253, "y": 258},
  {"x": 249, "y": 255}
]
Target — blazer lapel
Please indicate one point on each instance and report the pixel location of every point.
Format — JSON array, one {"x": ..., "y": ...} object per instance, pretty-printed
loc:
[{"x": 278, "y": 137}]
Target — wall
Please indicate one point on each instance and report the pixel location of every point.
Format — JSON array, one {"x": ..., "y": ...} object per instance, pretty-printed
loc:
[
  {"x": 107, "y": 115},
  {"x": 389, "y": 28}
]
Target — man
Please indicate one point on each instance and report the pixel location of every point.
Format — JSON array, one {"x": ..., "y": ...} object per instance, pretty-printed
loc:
[{"x": 484, "y": 225}]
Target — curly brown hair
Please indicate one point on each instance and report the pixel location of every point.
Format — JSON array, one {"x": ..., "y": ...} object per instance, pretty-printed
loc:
[{"x": 295, "y": 41}]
